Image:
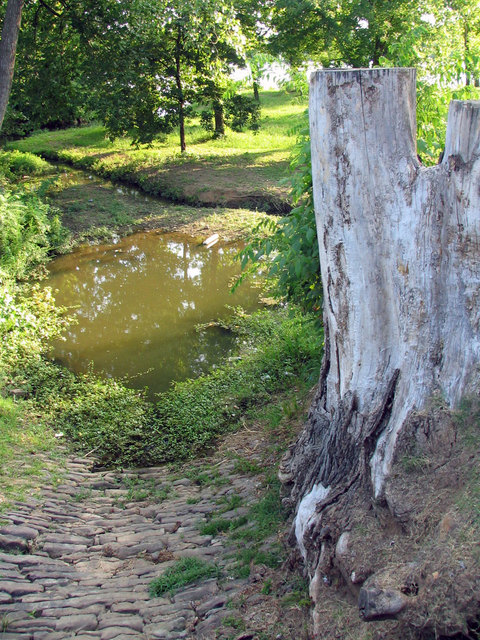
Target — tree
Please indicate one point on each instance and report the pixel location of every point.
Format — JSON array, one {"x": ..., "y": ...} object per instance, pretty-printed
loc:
[
  {"x": 158, "y": 59},
  {"x": 49, "y": 88},
  {"x": 8, "y": 46},
  {"x": 335, "y": 33},
  {"x": 400, "y": 272},
  {"x": 443, "y": 44}
]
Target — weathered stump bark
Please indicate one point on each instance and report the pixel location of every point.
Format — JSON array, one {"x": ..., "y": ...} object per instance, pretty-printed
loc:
[{"x": 399, "y": 254}]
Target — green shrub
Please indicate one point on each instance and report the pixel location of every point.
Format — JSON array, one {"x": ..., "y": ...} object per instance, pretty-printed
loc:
[
  {"x": 15, "y": 164},
  {"x": 29, "y": 319}
]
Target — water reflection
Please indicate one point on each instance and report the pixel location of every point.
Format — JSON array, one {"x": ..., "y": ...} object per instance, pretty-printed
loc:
[{"x": 138, "y": 302}]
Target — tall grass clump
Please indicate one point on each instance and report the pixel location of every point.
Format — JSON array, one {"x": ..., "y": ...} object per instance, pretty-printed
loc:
[{"x": 185, "y": 571}]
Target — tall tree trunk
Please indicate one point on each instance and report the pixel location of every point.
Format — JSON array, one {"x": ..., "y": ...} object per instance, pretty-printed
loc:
[
  {"x": 181, "y": 99},
  {"x": 399, "y": 247},
  {"x": 8, "y": 47},
  {"x": 256, "y": 94},
  {"x": 219, "y": 118}
]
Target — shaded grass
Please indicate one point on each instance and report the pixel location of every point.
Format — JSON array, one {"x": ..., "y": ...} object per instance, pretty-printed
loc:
[{"x": 96, "y": 210}]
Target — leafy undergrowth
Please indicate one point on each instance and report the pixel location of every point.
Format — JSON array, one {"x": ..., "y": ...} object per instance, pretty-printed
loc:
[{"x": 241, "y": 169}]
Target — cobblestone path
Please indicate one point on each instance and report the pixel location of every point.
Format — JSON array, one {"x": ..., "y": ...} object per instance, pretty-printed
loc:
[{"x": 77, "y": 562}]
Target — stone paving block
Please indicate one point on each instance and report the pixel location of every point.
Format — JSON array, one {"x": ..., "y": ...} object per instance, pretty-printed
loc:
[
  {"x": 61, "y": 612},
  {"x": 16, "y": 588},
  {"x": 5, "y": 598},
  {"x": 32, "y": 624},
  {"x": 116, "y": 633},
  {"x": 78, "y": 622},
  {"x": 26, "y": 559},
  {"x": 13, "y": 544},
  {"x": 120, "y": 620},
  {"x": 209, "y": 605},
  {"x": 57, "y": 550},
  {"x": 19, "y": 531},
  {"x": 64, "y": 538},
  {"x": 162, "y": 629},
  {"x": 127, "y": 607}
]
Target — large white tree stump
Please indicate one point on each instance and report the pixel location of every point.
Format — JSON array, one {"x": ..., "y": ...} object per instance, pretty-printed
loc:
[{"x": 399, "y": 254}]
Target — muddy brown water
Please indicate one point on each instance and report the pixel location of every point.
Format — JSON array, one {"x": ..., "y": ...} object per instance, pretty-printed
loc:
[{"x": 138, "y": 303}]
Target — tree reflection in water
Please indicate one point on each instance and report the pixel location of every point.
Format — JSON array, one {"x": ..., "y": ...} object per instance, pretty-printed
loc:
[{"x": 138, "y": 301}]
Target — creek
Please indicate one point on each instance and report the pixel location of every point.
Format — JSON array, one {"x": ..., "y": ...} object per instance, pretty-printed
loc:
[{"x": 138, "y": 303}]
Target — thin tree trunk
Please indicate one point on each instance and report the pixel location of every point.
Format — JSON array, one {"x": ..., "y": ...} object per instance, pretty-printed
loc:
[
  {"x": 219, "y": 118},
  {"x": 8, "y": 47},
  {"x": 256, "y": 93},
  {"x": 399, "y": 248},
  {"x": 181, "y": 100}
]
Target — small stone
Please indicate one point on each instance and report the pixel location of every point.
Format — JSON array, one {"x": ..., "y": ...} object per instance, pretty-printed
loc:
[{"x": 378, "y": 604}]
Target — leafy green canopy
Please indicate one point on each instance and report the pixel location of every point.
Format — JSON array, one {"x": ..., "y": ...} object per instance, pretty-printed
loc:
[
  {"x": 49, "y": 88},
  {"x": 443, "y": 44},
  {"x": 153, "y": 60}
]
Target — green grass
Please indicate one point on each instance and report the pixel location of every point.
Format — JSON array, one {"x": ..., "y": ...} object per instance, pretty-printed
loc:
[
  {"x": 222, "y": 525},
  {"x": 229, "y": 503},
  {"x": 184, "y": 572},
  {"x": 244, "y": 465},
  {"x": 23, "y": 440},
  {"x": 240, "y": 166},
  {"x": 143, "y": 489}
]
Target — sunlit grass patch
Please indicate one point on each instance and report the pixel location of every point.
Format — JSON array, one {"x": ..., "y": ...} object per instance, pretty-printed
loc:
[
  {"x": 238, "y": 162},
  {"x": 184, "y": 572}
]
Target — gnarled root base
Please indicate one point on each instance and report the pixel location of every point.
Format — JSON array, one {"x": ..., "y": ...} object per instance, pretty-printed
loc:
[{"x": 407, "y": 562}]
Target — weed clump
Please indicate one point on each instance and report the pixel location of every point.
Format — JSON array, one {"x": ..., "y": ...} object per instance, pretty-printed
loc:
[{"x": 183, "y": 572}]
